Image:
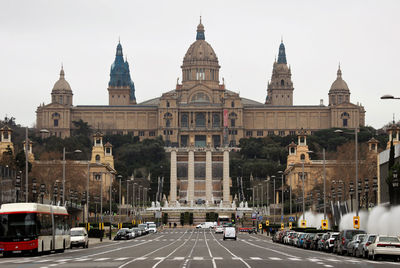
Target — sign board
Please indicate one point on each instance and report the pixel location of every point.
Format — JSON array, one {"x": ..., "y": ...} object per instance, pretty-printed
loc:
[
  {"x": 225, "y": 118},
  {"x": 356, "y": 222},
  {"x": 254, "y": 216},
  {"x": 267, "y": 222},
  {"x": 291, "y": 219},
  {"x": 290, "y": 225},
  {"x": 303, "y": 223},
  {"x": 260, "y": 218},
  {"x": 324, "y": 224}
]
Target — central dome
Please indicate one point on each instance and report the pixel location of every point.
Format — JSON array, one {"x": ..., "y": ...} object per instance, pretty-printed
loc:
[
  {"x": 200, "y": 62},
  {"x": 200, "y": 50},
  {"x": 61, "y": 85}
]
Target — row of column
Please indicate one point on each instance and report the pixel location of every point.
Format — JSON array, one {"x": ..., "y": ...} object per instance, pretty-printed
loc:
[{"x": 209, "y": 186}]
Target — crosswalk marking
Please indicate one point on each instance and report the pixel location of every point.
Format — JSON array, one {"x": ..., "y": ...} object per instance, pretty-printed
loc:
[
  {"x": 275, "y": 258},
  {"x": 159, "y": 258},
  {"x": 121, "y": 259},
  {"x": 218, "y": 258},
  {"x": 141, "y": 258},
  {"x": 314, "y": 260},
  {"x": 83, "y": 259},
  {"x": 334, "y": 260},
  {"x": 198, "y": 258},
  {"x": 102, "y": 259},
  {"x": 294, "y": 259},
  {"x": 255, "y": 258},
  {"x": 178, "y": 258}
]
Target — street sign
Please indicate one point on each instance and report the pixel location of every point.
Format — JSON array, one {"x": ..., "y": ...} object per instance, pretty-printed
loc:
[
  {"x": 303, "y": 223},
  {"x": 324, "y": 224},
  {"x": 290, "y": 225},
  {"x": 282, "y": 226},
  {"x": 260, "y": 226},
  {"x": 260, "y": 218},
  {"x": 267, "y": 222},
  {"x": 356, "y": 222},
  {"x": 291, "y": 219},
  {"x": 281, "y": 218}
]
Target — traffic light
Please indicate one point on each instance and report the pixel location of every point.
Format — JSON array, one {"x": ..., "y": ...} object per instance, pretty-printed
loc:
[
  {"x": 356, "y": 222},
  {"x": 260, "y": 226},
  {"x": 282, "y": 226},
  {"x": 290, "y": 225},
  {"x": 267, "y": 222},
  {"x": 18, "y": 183},
  {"x": 88, "y": 226},
  {"x": 303, "y": 223}
]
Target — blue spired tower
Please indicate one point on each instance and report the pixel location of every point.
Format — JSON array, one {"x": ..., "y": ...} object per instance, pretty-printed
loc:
[{"x": 121, "y": 89}]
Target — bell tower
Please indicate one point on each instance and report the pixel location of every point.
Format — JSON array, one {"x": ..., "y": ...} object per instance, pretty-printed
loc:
[
  {"x": 280, "y": 88},
  {"x": 6, "y": 145}
]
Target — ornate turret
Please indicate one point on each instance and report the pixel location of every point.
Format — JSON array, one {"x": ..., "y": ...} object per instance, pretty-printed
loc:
[
  {"x": 373, "y": 145},
  {"x": 108, "y": 156},
  {"x": 97, "y": 149},
  {"x": 121, "y": 89},
  {"x": 6, "y": 144},
  {"x": 339, "y": 92},
  {"x": 31, "y": 157},
  {"x": 394, "y": 134},
  {"x": 62, "y": 92},
  {"x": 280, "y": 88}
]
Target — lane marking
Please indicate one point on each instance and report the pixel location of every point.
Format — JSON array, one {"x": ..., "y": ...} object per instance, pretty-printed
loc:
[
  {"x": 155, "y": 265},
  {"x": 121, "y": 259},
  {"x": 294, "y": 259},
  {"x": 139, "y": 258},
  {"x": 178, "y": 258},
  {"x": 274, "y": 258},
  {"x": 327, "y": 265},
  {"x": 218, "y": 258},
  {"x": 270, "y": 249},
  {"x": 102, "y": 259},
  {"x": 255, "y": 258},
  {"x": 233, "y": 255},
  {"x": 209, "y": 251}
]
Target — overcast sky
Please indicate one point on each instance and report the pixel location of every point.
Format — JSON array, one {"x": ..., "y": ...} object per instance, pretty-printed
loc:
[{"x": 37, "y": 36}]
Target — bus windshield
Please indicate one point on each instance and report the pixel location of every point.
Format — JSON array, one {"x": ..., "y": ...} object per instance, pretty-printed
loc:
[{"x": 18, "y": 225}]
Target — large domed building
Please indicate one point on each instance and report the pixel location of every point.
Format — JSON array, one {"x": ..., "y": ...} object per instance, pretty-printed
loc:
[{"x": 200, "y": 112}]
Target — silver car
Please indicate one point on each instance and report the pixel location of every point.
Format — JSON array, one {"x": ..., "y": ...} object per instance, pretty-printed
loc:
[
  {"x": 362, "y": 250},
  {"x": 352, "y": 246}
]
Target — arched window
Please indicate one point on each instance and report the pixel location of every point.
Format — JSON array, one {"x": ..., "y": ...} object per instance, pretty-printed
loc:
[
  {"x": 292, "y": 150},
  {"x": 345, "y": 117},
  {"x": 55, "y": 122},
  {"x": 97, "y": 158},
  {"x": 167, "y": 123},
  {"x": 232, "y": 104},
  {"x": 282, "y": 82},
  {"x": 200, "y": 120},
  {"x": 302, "y": 157}
]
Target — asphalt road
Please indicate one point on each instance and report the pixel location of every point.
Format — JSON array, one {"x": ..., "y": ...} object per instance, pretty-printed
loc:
[{"x": 186, "y": 248}]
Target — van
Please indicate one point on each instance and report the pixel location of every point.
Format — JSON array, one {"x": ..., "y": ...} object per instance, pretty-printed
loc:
[
  {"x": 79, "y": 237},
  {"x": 152, "y": 228},
  {"x": 230, "y": 233},
  {"x": 206, "y": 225}
]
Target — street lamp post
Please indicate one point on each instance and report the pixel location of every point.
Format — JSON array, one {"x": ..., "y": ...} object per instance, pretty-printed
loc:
[
  {"x": 375, "y": 188},
  {"x": 119, "y": 196},
  {"x": 351, "y": 192},
  {"x": 282, "y": 201},
  {"x": 366, "y": 189},
  {"x": 395, "y": 184},
  {"x": 302, "y": 180},
  {"x": 274, "y": 196}
]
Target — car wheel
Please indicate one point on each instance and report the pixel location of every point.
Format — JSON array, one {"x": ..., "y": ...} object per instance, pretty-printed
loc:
[
  {"x": 224, "y": 238},
  {"x": 87, "y": 244},
  {"x": 357, "y": 254},
  {"x": 235, "y": 238}
]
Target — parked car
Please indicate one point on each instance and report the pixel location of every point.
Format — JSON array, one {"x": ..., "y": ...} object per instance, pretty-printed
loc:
[
  {"x": 79, "y": 237},
  {"x": 315, "y": 240},
  {"x": 330, "y": 242},
  {"x": 345, "y": 236},
  {"x": 321, "y": 242},
  {"x": 300, "y": 240},
  {"x": 137, "y": 231},
  {"x": 144, "y": 228},
  {"x": 307, "y": 240},
  {"x": 152, "y": 228},
  {"x": 230, "y": 232},
  {"x": 219, "y": 229},
  {"x": 383, "y": 245},
  {"x": 296, "y": 239},
  {"x": 353, "y": 244},
  {"x": 362, "y": 250},
  {"x": 122, "y": 234}
]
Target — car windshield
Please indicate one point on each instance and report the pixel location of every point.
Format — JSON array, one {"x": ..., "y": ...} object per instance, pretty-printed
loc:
[
  {"x": 371, "y": 237},
  {"x": 77, "y": 233},
  {"x": 18, "y": 225},
  {"x": 152, "y": 226},
  {"x": 388, "y": 239},
  {"x": 350, "y": 234},
  {"x": 335, "y": 235}
]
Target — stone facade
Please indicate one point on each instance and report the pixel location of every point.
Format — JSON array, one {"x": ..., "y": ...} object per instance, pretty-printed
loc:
[{"x": 200, "y": 111}]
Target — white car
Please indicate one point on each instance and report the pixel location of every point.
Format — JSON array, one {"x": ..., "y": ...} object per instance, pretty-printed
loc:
[
  {"x": 384, "y": 245},
  {"x": 152, "y": 228},
  {"x": 219, "y": 229},
  {"x": 79, "y": 237},
  {"x": 230, "y": 232}
]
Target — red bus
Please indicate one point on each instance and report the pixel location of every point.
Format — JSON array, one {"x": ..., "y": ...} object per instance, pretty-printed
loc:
[{"x": 33, "y": 228}]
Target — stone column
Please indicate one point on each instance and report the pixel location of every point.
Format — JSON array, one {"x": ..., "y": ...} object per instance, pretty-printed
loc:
[
  {"x": 225, "y": 178},
  {"x": 173, "y": 178},
  {"x": 190, "y": 190},
  {"x": 209, "y": 187}
]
